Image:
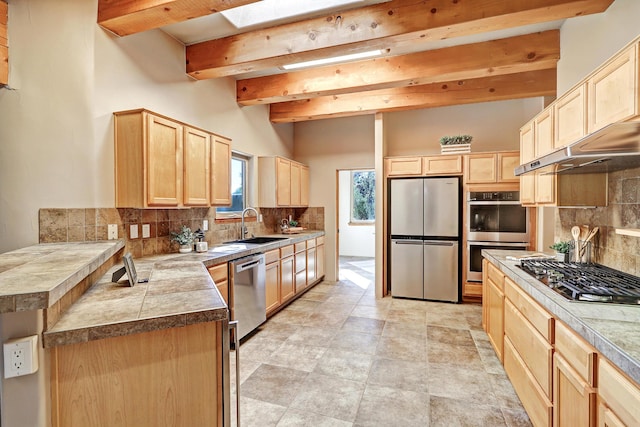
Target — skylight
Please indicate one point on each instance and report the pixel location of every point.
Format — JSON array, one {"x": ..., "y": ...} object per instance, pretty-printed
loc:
[{"x": 266, "y": 11}]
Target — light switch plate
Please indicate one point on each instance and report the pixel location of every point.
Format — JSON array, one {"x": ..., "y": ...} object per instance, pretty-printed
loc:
[
  {"x": 112, "y": 231},
  {"x": 146, "y": 231},
  {"x": 205, "y": 225},
  {"x": 133, "y": 231}
]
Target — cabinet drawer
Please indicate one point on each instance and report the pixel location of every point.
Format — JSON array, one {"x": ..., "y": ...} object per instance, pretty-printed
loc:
[
  {"x": 320, "y": 240},
  {"x": 272, "y": 256},
  {"x": 619, "y": 393},
  {"x": 533, "y": 349},
  {"x": 311, "y": 243},
  {"x": 496, "y": 276},
  {"x": 537, "y": 316},
  {"x": 286, "y": 251},
  {"x": 577, "y": 352},
  {"x": 218, "y": 273},
  {"x": 299, "y": 247},
  {"x": 538, "y": 407}
]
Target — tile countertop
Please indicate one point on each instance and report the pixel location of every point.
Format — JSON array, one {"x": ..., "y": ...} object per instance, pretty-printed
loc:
[
  {"x": 36, "y": 277},
  {"x": 613, "y": 329},
  {"x": 179, "y": 292}
]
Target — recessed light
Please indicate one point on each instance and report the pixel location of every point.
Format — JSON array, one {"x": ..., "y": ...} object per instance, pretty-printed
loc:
[{"x": 333, "y": 59}]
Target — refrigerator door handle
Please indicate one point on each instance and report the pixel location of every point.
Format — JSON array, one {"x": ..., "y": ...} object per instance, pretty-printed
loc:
[
  {"x": 439, "y": 243},
  {"x": 407, "y": 242}
]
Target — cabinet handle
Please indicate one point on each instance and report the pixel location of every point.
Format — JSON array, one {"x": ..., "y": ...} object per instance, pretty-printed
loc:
[{"x": 233, "y": 326}]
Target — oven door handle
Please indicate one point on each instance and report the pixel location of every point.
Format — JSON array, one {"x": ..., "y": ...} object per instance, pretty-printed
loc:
[{"x": 478, "y": 243}]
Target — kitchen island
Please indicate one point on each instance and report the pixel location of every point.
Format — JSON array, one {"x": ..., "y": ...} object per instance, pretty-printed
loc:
[
  {"x": 120, "y": 355},
  {"x": 595, "y": 345}
]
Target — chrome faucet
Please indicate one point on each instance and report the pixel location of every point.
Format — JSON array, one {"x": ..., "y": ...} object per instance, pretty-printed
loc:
[{"x": 243, "y": 229}]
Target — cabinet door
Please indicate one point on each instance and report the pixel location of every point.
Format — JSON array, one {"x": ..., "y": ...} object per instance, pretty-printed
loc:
[
  {"x": 164, "y": 162},
  {"x": 619, "y": 393},
  {"x": 606, "y": 418},
  {"x": 543, "y": 135},
  {"x": 304, "y": 186},
  {"x": 507, "y": 163},
  {"x": 404, "y": 166},
  {"x": 527, "y": 153},
  {"x": 574, "y": 401},
  {"x": 272, "y": 286},
  {"x": 311, "y": 265},
  {"x": 196, "y": 167},
  {"x": 485, "y": 298},
  {"x": 283, "y": 182},
  {"x": 320, "y": 261},
  {"x": 613, "y": 91},
  {"x": 220, "y": 171},
  {"x": 570, "y": 113},
  {"x": 480, "y": 168},
  {"x": 495, "y": 318},
  {"x": 295, "y": 184},
  {"x": 287, "y": 278},
  {"x": 301, "y": 270},
  {"x": 442, "y": 165}
]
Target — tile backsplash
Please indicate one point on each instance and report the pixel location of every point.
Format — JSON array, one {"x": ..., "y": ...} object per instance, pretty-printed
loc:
[
  {"x": 611, "y": 249},
  {"x": 90, "y": 224}
]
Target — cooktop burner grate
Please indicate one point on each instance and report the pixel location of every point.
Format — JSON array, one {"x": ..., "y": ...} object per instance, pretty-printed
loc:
[{"x": 585, "y": 282}]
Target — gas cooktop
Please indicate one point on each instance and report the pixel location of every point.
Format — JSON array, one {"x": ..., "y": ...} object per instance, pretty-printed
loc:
[{"x": 585, "y": 282}]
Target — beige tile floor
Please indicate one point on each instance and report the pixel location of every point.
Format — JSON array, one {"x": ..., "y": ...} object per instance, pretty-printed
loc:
[{"x": 339, "y": 357}]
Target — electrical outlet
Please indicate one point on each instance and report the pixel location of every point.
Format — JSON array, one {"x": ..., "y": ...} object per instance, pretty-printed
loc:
[
  {"x": 112, "y": 231},
  {"x": 133, "y": 231},
  {"x": 146, "y": 231},
  {"x": 20, "y": 356},
  {"x": 205, "y": 225}
]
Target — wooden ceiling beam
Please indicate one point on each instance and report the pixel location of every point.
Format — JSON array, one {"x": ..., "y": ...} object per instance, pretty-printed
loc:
[
  {"x": 382, "y": 26},
  {"x": 124, "y": 17},
  {"x": 530, "y": 52},
  {"x": 494, "y": 88}
]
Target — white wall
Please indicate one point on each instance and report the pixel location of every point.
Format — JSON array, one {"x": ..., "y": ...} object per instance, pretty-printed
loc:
[
  {"x": 56, "y": 133},
  {"x": 358, "y": 239},
  {"x": 588, "y": 41},
  {"x": 328, "y": 146},
  {"x": 70, "y": 75},
  {"x": 494, "y": 126}
]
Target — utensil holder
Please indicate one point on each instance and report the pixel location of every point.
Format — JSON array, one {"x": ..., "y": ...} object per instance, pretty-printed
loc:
[{"x": 580, "y": 251}]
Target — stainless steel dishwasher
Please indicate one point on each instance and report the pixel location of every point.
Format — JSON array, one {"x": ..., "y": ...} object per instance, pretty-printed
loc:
[{"x": 248, "y": 287}]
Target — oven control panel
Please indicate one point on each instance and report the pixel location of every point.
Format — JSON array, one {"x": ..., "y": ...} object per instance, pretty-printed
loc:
[{"x": 491, "y": 196}]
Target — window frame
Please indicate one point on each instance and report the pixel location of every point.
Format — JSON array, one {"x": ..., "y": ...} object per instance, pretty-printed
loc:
[
  {"x": 246, "y": 159},
  {"x": 352, "y": 220}
]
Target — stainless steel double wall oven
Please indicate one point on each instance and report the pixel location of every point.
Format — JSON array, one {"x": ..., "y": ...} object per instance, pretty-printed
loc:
[{"x": 495, "y": 220}]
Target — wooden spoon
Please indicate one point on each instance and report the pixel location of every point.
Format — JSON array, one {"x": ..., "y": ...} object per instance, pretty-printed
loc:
[
  {"x": 590, "y": 236},
  {"x": 575, "y": 232}
]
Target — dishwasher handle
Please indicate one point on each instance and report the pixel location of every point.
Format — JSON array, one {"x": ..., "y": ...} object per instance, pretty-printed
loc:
[{"x": 248, "y": 264}]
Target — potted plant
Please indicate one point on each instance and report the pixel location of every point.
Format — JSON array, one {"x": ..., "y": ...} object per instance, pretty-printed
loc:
[
  {"x": 184, "y": 238},
  {"x": 562, "y": 250},
  {"x": 456, "y": 144}
]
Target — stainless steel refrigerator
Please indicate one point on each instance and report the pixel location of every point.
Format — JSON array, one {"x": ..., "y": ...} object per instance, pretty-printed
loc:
[{"x": 425, "y": 238}]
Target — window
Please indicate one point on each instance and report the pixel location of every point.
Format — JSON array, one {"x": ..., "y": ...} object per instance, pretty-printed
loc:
[
  {"x": 238, "y": 188},
  {"x": 363, "y": 196}
]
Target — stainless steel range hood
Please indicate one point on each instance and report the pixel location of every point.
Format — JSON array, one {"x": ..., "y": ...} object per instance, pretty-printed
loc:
[{"x": 614, "y": 147}]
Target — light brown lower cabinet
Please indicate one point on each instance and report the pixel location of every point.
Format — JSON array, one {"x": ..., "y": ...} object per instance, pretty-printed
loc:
[
  {"x": 618, "y": 397},
  {"x": 141, "y": 380},
  {"x": 272, "y": 280},
  {"x": 220, "y": 276},
  {"x": 320, "y": 259},
  {"x": 574, "y": 400},
  {"x": 287, "y": 274},
  {"x": 538, "y": 406},
  {"x": 495, "y": 313},
  {"x": 301, "y": 266}
]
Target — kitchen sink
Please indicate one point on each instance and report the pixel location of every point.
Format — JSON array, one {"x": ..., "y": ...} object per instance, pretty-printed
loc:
[{"x": 260, "y": 240}]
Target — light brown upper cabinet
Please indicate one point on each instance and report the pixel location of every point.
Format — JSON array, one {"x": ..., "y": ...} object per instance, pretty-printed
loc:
[
  {"x": 425, "y": 165},
  {"x": 160, "y": 162},
  {"x": 543, "y": 143},
  {"x": 485, "y": 168},
  {"x": 196, "y": 167},
  {"x": 570, "y": 114},
  {"x": 612, "y": 90},
  {"x": 527, "y": 153},
  {"x": 221, "y": 171},
  {"x": 282, "y": 182},
  {"x": 403, "y": 166}
]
